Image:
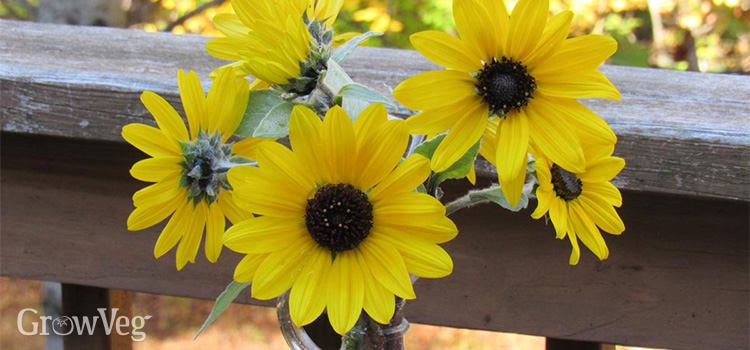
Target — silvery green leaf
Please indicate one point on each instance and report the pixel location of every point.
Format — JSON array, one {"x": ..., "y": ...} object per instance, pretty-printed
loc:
[
  {"x": 351, "y": 45},
  {"x": 335, "y": 77},
  {"x": 222, "y": 302},
  {"x": 259, "y": 105},
  {"x": 276, "y": 122},
  {"x": 496, "y": 196},
  {"x": 364, "y": 93}
]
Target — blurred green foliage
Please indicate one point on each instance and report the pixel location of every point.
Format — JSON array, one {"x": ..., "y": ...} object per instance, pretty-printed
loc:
[{"x": 705, "y": 35}]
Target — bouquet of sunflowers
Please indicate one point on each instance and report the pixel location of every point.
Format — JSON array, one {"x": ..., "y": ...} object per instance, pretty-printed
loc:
[{"x": 334, "y": 200}]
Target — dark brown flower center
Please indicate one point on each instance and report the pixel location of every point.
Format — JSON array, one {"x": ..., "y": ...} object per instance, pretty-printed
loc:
[
  {"x": 505, "y": 85},
  {"x": 339, "y": 217},
  {"x": 566, "y": 184}
]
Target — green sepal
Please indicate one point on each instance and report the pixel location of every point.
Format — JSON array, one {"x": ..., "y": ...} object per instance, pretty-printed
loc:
[
  {"x": 222, "y": 302},
  {"x": 351, "y": 45}
]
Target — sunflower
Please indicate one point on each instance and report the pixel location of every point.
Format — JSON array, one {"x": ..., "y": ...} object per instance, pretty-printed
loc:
[
  {"x": 270, "y": 39},
  {"x": 520, "y": 69},
  {"x": 578, "y": 202},
  {"x": 189, "y": 167},
  {"x": 341, "y": 226}
]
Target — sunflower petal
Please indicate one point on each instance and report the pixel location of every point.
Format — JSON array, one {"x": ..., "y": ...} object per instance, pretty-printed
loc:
[
  {"x": 446, "y": 50},
  {"x": 442, "y": 231},
  {"x": 554, "y": 35},
  {"x": 215, "y": 224},
  {"x": 277, "y": 273},
  {"x": 157, "y": 168},
  {"x": 191, "y": 240},
  {"x": 306, "y": 301},
  {"x": 577, "y": 55},
  {"x": 527, "y": 24},
  {"x": 438, "y": 120},
  {"x": 555, "y": 138},
  {"x": 421, "y": 257},
  {"x": 150, "y": 140},
  {"x": 234, "y": 213},
  {"x": 603, "y": 170},
  {"x": 145, "y": 217},
  {"x": 512, "y": 157},
  {"x": 378, "y": 302},
  {"x": 166, "y": 117},
  {"x": 175, "y": 229},
  {"x": 587, "y": 231},
  {"x": 158, "y": 193},
  {"x": 408, "y": 208},
  {"x": 475, "y": 26},
  {"x": 245, "y": 270},
  {"x": 464, "y": 135},
  {"x": 558, "y": 213},
  {"x": 387, "y": 266},
  {"x": 605, "y": 189},
  {"x": 412, "y": 172},
  {"x": 604, "y": 215},
  {"x": 594, "y": 84},
  {"x": 346, "y": 291},
  {"x": 193, "y": 100},
  {"x": 304, "y": 135},
  {"x": 264, "y": 234},
  {"x": 378, "y": 153},
  {"x": 435, "y": 89},
  {"x": 338, "y": 145}
]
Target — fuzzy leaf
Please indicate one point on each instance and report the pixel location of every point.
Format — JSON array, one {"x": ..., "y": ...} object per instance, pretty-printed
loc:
[
  {"x": 276, "y": 122},
  {"x": 222, "y": 302},
  {"x": 364, "y": 93},
  {"x": 351, "y": 45},
  {"x": 260, "y": 105}
]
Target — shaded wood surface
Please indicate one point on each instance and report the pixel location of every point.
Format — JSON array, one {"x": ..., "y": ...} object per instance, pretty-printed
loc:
[
  {"x": 680, "y": 132},
  {"x": 677, "y": 277}
]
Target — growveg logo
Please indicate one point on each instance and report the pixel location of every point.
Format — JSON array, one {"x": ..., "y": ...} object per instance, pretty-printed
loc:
[{"x": 65, "y": 325}]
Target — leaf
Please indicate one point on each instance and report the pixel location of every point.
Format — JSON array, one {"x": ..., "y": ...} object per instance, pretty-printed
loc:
[
  {"x": 335, "y": 77},
  {"x": 222, "y": 302},
  {"x": 364, "y": 93},
  {"x": 334, "y": 80},
  {"x": 260, "y": 103},
  {"x": 496, "y": 196},
  {"x": 459, "y": 169},
  {"x": 351, "y": 45},
  {"x": 276, "y": 122}
]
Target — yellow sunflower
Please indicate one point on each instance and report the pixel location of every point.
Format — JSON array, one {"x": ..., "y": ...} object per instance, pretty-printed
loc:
[
  {"x": 520, "y": 69},
  {"x": 578, "y": 202},
  {"x": 341, "y": 226},
  {"x": 270, "y": 39},
  {"x": 189, "y": 166}
]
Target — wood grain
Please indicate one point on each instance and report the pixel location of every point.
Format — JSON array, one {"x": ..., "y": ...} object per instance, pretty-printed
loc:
[
  {"x": 676, "y": 278},
  {"x": 680, "y": 132}
]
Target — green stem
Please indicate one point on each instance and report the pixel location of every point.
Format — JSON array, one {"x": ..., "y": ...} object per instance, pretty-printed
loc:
[{"x": 468, "y": 200}]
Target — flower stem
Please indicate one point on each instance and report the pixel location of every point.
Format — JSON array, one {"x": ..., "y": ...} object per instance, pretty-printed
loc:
[{"x": 470, "y": 199}]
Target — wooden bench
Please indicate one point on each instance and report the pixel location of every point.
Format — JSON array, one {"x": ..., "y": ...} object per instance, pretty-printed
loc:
[{"x": 676, "y": 278}]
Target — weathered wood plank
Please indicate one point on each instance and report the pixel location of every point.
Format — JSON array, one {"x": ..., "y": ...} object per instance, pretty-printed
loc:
[
  {"x": 677, "y": 277},
  {"x": 681, "y": 132}
]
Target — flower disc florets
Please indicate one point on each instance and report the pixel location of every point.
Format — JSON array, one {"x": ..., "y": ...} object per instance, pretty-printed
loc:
[
  {"x": 206, "y": 162},
  {"x": 566, "y": 184},
  {"x": 505, "y": 85},
  {"x": 339, "y": 217}
]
